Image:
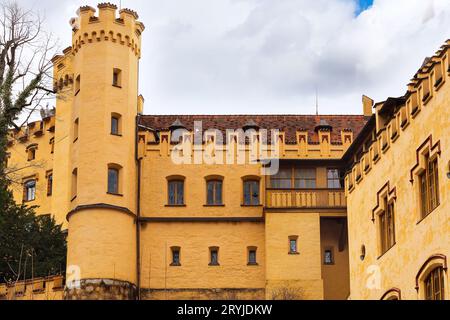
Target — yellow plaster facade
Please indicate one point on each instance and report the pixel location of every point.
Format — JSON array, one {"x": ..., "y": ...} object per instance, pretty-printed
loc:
[{"x": 128, "y": 238}]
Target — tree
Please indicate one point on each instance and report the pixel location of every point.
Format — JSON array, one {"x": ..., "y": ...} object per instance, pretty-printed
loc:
[
  {"x": 25, "y": 67},
  {"x": 29, "y": 245}
]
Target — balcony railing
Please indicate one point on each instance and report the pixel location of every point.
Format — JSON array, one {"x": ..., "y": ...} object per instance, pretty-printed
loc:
[{"x": 305, "y": 198}]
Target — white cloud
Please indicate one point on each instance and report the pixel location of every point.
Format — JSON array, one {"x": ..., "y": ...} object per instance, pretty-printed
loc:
[{"x": 267, "y": 56}]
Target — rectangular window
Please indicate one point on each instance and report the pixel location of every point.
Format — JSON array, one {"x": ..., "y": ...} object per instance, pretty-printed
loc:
[
  {"x": 29, "y": 192},
  {"x": 214, "y": 256},
  {"x": 429, "y": 186},
  {"x": 251, "y": 193},
  {"x": 176, "y": 192},
  {"x": 293, "y": 249},
  {"x": 74, "y": 183},
  {"x": 328, "y": 257},
  {"x": 387, "y": 227},
  {"x": 305, "y": 178},
  {"x": 214, "y": 192},
  {"x": 114, "y": 125},
  {"x": 75, "y": 130},
  {"x": 252, "y": 256},
  {"x": 49, "y": 184},
  {"x": 117, "y": 78},
  {"x": 31, "y": 153},
  {"x": 282, "y": 179},
  {"x": 334, "y": 181},
  {"x": 175, "y": 256},
  {"x": 113, "y": 181}
]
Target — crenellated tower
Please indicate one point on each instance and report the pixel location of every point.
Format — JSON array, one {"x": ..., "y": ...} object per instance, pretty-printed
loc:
[{"x": 97, "y": 79}]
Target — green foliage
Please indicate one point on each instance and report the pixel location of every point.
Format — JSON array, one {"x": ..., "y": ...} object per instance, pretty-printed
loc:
[{"x": 27, "y": 241}]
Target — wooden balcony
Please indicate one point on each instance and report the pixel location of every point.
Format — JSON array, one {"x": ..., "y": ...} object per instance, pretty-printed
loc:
[{"x": 305, "y": 198}]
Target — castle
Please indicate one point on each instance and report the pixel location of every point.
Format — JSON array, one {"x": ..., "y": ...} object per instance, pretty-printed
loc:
[{"x": 234, "y": 206}]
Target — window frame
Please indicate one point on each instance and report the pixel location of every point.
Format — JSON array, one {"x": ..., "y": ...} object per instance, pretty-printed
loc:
[
  {"x": 294, "y": 239},
  {"x": 117, "y": 78},
  {"x": 428, "y": 180},
  {"x": 429, "y": 281},
  {"x": 250, "y": 250},
  {"x": 49, "y": 184},
  {"x": 253, "y": 184},
  {"x": 177, "y": 181},
  {"x": 295, "y": 181},
  {"x": 215, "y": 180},
  {"x": 211, "y": 262},
  {"x": 27, "y": 188},
  {"x": 118, "y": 118},
  {"x": 174, "y": 250},
  {"x": 386, "y": 226},
  {"x": 334, "y": 179},
  {"x": 113, "y": 167}
]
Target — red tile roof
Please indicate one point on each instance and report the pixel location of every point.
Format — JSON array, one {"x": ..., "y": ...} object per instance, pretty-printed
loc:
[{"x": 289, "y": 124}]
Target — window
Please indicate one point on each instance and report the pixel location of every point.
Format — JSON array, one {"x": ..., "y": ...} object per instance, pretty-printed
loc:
[
  {"x": 75, "y": 130},
  {"x": 113, "y": 179},
  {"x": 293, "y": 249},
  {"x": 176, "y": 192},
  {"x": 52, "y": 145},
  {"x": 74, "y": 183},
  {"x": 115, "y": 124},
  {"x": 213, "y": 256},
  {"x": 334, "y": 182},
  {"x": 31, "y": 152},
  {"x": 117, "y": 78},
  {"x": 214, "y": 192},
  {"x": 305, "y": 178},
  {"x": 49, "y": 184},
  {"x": 252, "y": 256},
  {"x": 282, "y": 179},
  {"x": 251, "y": 193},
  {"x": 328, "y": 256},
  {"x": 29, "y": 191},
  {"x": 387, "y": 226},
  {"x": 175, "y": 256},
  {"x": 291, "y": 177},
  {"x": 77, "y": 84},
  {"x": 434, "y": 284},
  {"x": 429, "y": 186}
]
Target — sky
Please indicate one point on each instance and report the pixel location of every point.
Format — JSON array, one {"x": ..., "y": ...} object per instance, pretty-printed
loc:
[{"x": 273, "y": 56}]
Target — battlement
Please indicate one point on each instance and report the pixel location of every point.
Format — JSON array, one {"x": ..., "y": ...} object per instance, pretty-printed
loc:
[
  {"x": 48, "y": 288},
  {"x": 394, "y": 116},
  {"x": 120, "y": 27}
]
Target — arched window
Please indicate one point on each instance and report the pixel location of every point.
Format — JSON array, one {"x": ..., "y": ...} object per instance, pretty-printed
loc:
[
  {"x": 175, "y": 191},
  {"x": 114, "y": 186},
  {"x": 214, "y": 189},
  {"x": 29, "y": 190},
  {"x": 430, "y": 280},
  {"x": 251, "y": 192},
  {"x": 434, "y": 284}
]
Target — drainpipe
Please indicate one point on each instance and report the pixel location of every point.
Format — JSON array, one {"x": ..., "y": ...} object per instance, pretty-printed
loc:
[{"x": 138, "y": 215}]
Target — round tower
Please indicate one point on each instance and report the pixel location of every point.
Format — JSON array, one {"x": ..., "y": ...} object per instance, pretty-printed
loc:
[{"x": 105, "y": 56}]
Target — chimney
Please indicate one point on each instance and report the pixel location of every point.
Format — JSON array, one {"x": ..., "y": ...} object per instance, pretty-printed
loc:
[{"x": 367, "y": 106}]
